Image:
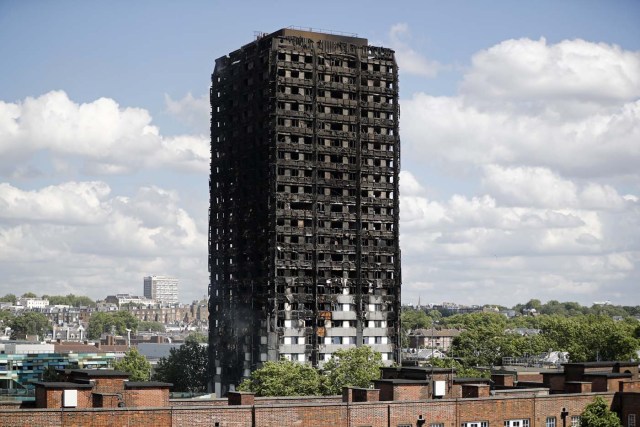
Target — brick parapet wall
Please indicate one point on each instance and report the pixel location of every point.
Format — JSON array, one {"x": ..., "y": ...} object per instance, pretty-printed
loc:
[
  {"x": 145, "y": 397},
  {"x": 450, "y": 412}
]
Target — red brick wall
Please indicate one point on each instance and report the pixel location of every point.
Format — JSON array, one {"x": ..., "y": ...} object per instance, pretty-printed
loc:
[
  {"x": 629, "y": 385},
  {"x": 105, "y": 401},
  {"x": 613, "y": 384},
  {"x": 555, "y": 382},
  {"x": 451, "y": 412},
  {"x": 53, "y": 398},
  {"x": 235, "y": 416},
  {"x": 402, "y": 392},
  {"x": 386, "y": 390},
  {"x": 534, "y": 377},
  {"x": 599, "y": 384},
  {"x": 147, "y": 397},
  {"x": 109, "y": 385},
  {"x": 475, "y": 390},
  {"x": 503, "y": 379},
  {"x": 301, "y": 416},
  {"x": 577, "y": 387},
  {"x": 364, "y": 395}
]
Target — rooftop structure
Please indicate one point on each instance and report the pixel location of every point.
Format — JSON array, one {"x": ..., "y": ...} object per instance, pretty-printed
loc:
[{"x": 407, "y": 396}]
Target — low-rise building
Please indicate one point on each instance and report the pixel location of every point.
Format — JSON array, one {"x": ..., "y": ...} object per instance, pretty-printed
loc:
[
  {"x": 402, "y": 397},
  {"x": 433, "y": 338},
  {"x": 31, "y": 303}
]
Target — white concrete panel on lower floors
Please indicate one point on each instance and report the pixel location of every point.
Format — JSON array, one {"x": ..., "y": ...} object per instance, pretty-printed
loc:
[
  {"x": 382, "y": 348},
  {"x": 330, "y": 348},
  {"x": 375, "y": 315},
  {"x": 294, "y": 332},
  {"x": 293, "y": 348},
  {"x": 375, "y": 299},
  {"x": 343, "y": 315},
  {"x": 345, "y": 299},
  {"x": 374, "y": 332},
  {"x": 332, "y": 332}
]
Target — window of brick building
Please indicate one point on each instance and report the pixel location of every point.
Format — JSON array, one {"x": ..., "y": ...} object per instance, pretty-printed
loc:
[
  {"x": 551, "y": 422},
  {"x": 436, "y": 425},
  {"x": 575, "y": 421},
  {"x": 631, "y": 420},
  {"x": 476, "y": 424}
]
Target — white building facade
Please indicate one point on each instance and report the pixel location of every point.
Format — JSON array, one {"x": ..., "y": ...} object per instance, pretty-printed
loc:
[{"x": 162, "y": 289}]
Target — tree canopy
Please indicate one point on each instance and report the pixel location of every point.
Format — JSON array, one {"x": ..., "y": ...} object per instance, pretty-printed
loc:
[
  {"x": 415, "y": 319},
  {"x": 150, "y": 326},
  {"x": 102, "y": 322},
  {"x": 9, "y": 298},
  {"x": 28, "y": 323},
  {"x": 135, "y": 364},
  {"x": 186, "y": 367},
  {"x": 598, "y": 414},
  {"x": 70, "y": 299},
  {"x": 283, "y": 378},
  {"x": 356, "y": 367}
]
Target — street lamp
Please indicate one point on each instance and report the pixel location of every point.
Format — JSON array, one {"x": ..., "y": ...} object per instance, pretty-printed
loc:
[{"x": 563, "y": 415}]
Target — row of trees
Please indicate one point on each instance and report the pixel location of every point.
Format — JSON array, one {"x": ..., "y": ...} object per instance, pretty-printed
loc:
[
  {"x": 34, "y": 323},
  {"x": 355, "y": 367},
  {"x": 488, "y": 337},
  {"x": 187, "y": 367},
  {"x": 71, "y": 299}
]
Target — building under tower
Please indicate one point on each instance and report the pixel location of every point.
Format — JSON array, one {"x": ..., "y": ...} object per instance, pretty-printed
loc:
[{"x": 303, "y": 223}]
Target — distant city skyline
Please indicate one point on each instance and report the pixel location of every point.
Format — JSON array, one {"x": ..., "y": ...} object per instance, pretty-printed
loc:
[{"x": 519, "y": 125}]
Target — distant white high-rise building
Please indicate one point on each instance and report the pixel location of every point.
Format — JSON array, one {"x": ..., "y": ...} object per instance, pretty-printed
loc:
[{"x": 163, "y": 289}]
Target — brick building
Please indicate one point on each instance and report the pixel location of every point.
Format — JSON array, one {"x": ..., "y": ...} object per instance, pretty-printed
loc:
[{"x": 403, "y": 397}]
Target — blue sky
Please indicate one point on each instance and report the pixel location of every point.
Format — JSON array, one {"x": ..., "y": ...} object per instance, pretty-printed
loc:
[{"x": 519, "y": 128}]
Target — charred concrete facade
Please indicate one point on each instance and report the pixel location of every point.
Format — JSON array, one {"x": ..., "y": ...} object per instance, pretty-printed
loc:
[{"x": 303, "y": 223}]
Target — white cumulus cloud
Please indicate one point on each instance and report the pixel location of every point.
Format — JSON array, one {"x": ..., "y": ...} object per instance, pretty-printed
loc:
[
  {"x": 409, "y": 60},
  {"x": 79, "y": 237},
  {"x": 105, "y": 137}
]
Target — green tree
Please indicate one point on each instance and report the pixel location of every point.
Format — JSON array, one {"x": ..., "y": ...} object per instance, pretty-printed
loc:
[
  {"x": 29, "y": 295},
  {"x": 151, "y": 326},
  {"x": 135, "y": 364},
  {"x": 480, "y": 346},
  {"x": 415, "y": 319},
  {"x": 598, "y": 414},
  {"x": 198, "y": 337},
  {"x": 461, "y": 370},
  {"x": 70, "y": 299},
  {"x": 9, "y": 298},
  {"x": 5, "y": 317},
  {"x": 591, "y": 338},
  {"x": 102, "y": 322},
  {"x": 475, "y": 320},
  {"x": 283, "y": 378},
  {"x": 186, "y": 367},
  {"x": 29, "y": 323},
  {"x": 355, "y": 367}
]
